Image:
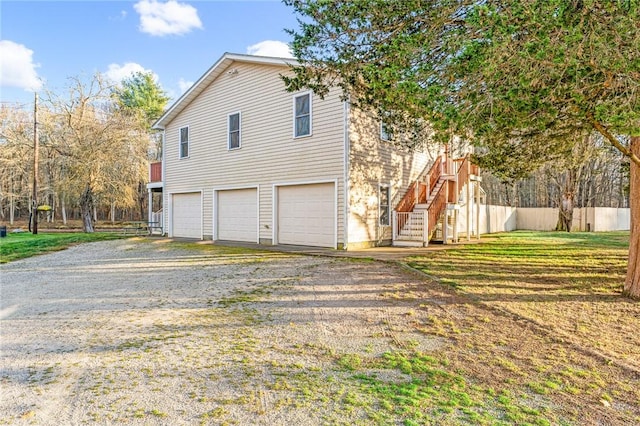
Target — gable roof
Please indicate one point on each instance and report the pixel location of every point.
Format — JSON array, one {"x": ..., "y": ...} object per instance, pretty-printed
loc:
[{"x": 208, "y": 77}]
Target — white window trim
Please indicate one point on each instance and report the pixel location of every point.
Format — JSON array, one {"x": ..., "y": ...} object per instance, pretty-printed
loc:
[
  {"x": 180, "y": 142},
  {"x": 310, "y": 114},
  {"x": 382, "y": 186},
  {"x": 229, "y": 130}
]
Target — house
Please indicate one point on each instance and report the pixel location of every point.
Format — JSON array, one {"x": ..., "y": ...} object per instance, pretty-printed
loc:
[{"x": 245, "y": 160}]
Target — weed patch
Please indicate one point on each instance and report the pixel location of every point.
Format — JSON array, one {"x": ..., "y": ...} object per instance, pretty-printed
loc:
[{"x": 22, "y": 245}]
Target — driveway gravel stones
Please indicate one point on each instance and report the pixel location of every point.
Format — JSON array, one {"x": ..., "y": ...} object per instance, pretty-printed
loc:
[{"x": 144, "y": 331}]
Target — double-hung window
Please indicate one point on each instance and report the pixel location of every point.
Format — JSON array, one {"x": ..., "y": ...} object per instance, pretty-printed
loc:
[
  {"x": 302, "y": 115},
  {"x": 234, "y": 131},
  {"x": 384, "y": 204},
  {"x": 184, "y": 142}
]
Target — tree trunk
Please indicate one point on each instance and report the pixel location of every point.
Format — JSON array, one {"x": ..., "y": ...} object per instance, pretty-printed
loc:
[
  {"x": 632, "y": 282},
  {"x": 63, "y": 209},
  {"x": 141, "y": 199},
  {"x": 12, "y": 208},
  {"x": 567, "y": 189},
  {"x": 565, "y": 215},
  {"x": 86, "y": 209}
]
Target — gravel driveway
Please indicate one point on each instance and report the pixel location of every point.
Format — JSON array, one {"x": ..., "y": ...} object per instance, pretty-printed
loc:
[{"x": 145, "y": 331}]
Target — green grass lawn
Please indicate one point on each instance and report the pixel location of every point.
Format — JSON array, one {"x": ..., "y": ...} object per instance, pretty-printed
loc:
[
  {"x": 564, "y": 289},
  {"x": 20, "y": 245},
  {"x": 570, "y": 283},
  {"x": 534, "y": 262}
]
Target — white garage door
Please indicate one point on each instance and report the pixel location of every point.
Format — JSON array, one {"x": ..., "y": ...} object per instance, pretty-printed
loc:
[
  {"x": 187, "y": 215},
  {"x": 307, "y": 215},
  {"x": 238, "y": 215}
]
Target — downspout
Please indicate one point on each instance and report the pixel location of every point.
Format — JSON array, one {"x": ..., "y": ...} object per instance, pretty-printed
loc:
[
  {"x": 165, "y": 210},
  {"x": 477, "y": 197},
  {"x": 347, "y": 152},
  {"x": 468, "y": 198}
]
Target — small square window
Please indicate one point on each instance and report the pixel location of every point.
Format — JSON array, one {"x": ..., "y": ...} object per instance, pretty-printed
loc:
[
  {"x": 184, "y": 142},
  {"x": 385, "y": 132},
  {"x": 385, "y": 206},
  {"x": 234, "y": 131},
  {"x": 302, "y": 115}
]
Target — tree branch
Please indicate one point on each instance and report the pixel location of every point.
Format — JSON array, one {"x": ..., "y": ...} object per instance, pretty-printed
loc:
[{"x": 612, "y": 139}]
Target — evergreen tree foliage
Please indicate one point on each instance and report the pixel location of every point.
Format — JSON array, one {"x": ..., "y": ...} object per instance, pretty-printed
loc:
[
  {"x": 523, "y": 79},
  {"x": 141, "y": 94}
]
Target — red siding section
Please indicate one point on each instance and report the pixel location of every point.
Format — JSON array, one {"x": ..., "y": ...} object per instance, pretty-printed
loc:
[{"x": 155, "y": 172}]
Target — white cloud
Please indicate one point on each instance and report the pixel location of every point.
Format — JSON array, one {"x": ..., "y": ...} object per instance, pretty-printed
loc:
[
  {"x": 120, "y": 17},
  {"x": 17, "y": 68},
  {"x": 274, "y": 48},
  {"x": 169, "y": 18},
  {"x": 184, "y": 85},
  {"x": 117, "y": 73}
]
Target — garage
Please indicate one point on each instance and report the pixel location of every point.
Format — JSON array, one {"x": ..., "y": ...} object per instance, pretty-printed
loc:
[
  {"x": 238, "y": 215},
  {"x": 186, "y": 212},
  {"x": 307, "y": 215}
]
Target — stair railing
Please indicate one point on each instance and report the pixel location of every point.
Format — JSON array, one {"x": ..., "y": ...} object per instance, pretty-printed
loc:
[
  {"x": 434, "y": 173},
  {"x": 419, "y": 190},
  {"x": 438, "y": 204}
]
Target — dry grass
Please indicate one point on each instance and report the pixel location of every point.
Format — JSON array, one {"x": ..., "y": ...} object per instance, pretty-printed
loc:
[{"x": 554, "y": 321}]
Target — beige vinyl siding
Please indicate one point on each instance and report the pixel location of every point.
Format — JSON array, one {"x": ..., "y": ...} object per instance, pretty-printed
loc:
[
  {"x": 269, "y": 154},
  {"x": 373, "y": 162}
]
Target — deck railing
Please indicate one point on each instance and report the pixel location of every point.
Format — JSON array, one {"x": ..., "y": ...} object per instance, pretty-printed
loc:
[
  {"x": 463, "y": 172},
  {"x": 157, "y": 219}
]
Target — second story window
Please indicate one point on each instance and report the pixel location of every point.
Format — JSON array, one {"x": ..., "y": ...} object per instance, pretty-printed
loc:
[
  {"x": 385, "y": 133},
  {"x": 302, "y": 115},
  {"x": 184, "y": 142},
  {"x": 234, "y": 130}
]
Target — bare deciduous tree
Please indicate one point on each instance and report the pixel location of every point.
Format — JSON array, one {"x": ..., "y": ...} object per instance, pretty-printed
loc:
[{"x": 103, "y": 151}]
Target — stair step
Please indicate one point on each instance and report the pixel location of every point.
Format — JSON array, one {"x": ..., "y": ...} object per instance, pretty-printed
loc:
[{"x": 408, "y": 243}]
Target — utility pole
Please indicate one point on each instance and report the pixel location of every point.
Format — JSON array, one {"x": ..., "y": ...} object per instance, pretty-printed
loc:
[{"x": 34, "y": 198}]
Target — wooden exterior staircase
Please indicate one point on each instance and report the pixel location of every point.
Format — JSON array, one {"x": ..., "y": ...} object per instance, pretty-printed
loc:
[{"x": 416, "y": 216}]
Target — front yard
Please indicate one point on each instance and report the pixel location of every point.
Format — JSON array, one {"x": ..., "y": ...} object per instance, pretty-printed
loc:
[{"x": 522, "y": 328}]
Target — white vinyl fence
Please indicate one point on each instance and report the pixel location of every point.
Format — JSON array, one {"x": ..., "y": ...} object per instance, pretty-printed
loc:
[
  {"x": 584, "y": 219},
  {"x": 492, "y": 219},
  {"x": 505, "y": 219}
]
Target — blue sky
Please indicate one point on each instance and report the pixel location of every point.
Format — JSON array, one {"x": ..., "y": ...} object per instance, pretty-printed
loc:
[{"x": 43, "y": 43}]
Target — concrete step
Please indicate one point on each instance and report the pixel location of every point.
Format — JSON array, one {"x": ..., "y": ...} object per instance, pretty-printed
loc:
[{"x": 408, "y": 243}]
